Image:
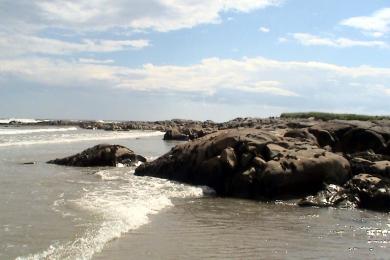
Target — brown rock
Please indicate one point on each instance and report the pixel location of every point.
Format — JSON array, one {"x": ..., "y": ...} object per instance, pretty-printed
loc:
[
  {"x": 284, "y": 172},
  {"x": 228, "y": 156},
  {"x": 101, "y": 155}
]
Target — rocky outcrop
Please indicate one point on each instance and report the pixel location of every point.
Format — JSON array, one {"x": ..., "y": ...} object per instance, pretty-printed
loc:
[
  {"x": 250, "y": 163},
  {"x": 335, "y": 163},
  {"x": 101, "y": 155},
  {"x": 360, "y": 139},
  {"x": 353, "y": 136}
]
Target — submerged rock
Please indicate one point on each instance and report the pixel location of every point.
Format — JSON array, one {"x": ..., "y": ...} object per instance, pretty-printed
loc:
[
  {"x": 331, "y": 196},
  {"x": 250, "y": 163},
  {"x": 101, "y": 155},
  {"x": 363, "y": 190}
]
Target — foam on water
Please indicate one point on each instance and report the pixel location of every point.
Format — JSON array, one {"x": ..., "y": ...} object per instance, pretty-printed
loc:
[
  {"x": 20, "y": 120},
  {"x": 120, "y": 207},
  {"x": 72, "y": 136},
  {"x": 39, "y": 130}
]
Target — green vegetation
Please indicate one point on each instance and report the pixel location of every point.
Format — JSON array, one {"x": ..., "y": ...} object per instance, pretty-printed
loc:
[{"x": 330, "y": 116}]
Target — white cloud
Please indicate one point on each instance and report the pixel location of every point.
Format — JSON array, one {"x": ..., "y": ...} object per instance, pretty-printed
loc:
[
  {"x": 21, "y": 44},
  {"x": 95, "y": 61},
  {"x": 270, "y": 87},
  {"x": 264, "y": 29},
  {"x": 24, "y": 24},
  {"x": 160, "y": 15},
  {"x": 314, "y": 81},
  {"x": 313, "y": 40},
  {"x": 377, "y": 24},
  {"x": 282, "y": 39}
]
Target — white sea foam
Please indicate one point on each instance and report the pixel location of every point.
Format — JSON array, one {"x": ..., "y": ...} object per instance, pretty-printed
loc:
[
  {"x": 121, "y": 208},
  {"x": 38, "y": 130},
  {"x": 86, "y": 136},
  {"x": 20, "y": 120}
]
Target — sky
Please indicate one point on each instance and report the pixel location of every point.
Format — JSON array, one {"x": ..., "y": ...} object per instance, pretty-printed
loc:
[{"x": 193, "y": 59}]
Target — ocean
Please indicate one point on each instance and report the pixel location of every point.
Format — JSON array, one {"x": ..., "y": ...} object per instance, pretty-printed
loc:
[{"x": 56, "y": 212}]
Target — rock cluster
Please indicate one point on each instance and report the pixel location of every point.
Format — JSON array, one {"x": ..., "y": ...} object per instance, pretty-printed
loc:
[
  {"x": 334, "y": 163},
  {"x": 250, "y": 163},
  {"x": 101, "y": 155}
]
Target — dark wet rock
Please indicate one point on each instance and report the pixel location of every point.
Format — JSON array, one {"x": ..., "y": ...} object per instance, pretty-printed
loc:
[
  {"x": 331, "y": 196},
  {"x": 373, "y": 191},
  {"x": 101, "y": 155},
  {"x": 261, "y": 167},
  {"x": 363, "y": 191}
]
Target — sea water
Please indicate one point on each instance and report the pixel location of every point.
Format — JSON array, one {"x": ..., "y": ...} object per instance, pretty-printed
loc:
[{"x": 56, "y": 212}]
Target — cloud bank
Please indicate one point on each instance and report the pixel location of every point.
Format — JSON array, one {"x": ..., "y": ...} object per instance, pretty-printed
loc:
[
  {"x": 159, "y": 15},
  {"x": 255, "y": 75}
]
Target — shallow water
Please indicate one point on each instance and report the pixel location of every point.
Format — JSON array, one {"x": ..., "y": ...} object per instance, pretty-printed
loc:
[
  {"x": 215, "y": 228},
  {"x": 55, "y": 212}
]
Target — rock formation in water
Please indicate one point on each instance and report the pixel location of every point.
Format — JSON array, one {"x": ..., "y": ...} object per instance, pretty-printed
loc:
[
  {"x": 334, "y": 163},
  {"x": 251, "y": 163},
  {"x": 101, "y": 155}
]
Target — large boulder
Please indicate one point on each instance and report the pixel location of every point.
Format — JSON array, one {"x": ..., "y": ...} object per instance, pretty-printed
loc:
[
  {"x": 250, "y": 163},
  {"x": 101, "y": 155}
]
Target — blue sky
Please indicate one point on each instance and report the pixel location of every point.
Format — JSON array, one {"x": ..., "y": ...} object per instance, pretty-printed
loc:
[{"x": 205, "y": 59}]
